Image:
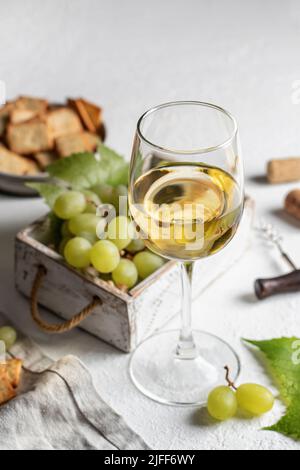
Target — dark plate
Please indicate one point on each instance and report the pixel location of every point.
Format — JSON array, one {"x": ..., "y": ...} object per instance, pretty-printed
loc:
[{"x": 13, "y": 184}]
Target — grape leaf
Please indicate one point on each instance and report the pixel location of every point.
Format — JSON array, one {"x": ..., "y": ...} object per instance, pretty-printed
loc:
[
  {"x": 116, "y": 165},
  {"x": 120, "y": 176},
  {"x": 85, "y": 170},
  {"x": 55, "y": 225},
  {"x": 48, "y": 191},
  {"x": 283, "y": 359},
  {"x": 81, "y": 171},
  {"x": 50, "y": 230}
]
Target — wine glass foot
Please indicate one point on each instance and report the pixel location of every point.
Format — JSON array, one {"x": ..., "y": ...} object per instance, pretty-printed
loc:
[{"x": 158, "y": 373}]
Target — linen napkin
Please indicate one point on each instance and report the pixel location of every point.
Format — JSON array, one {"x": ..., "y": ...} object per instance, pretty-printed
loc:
[{"x": 58, "y": 408}]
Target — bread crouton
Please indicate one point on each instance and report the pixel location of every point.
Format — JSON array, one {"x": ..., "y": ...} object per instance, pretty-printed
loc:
[
  {"x": 89, "y": 113},
  {"x": 7, "y": 391},
  {"x": 76, "y": 143},
  {"x": 95, "y": 112},
  {"x": 4, "y": 116},
  {"x": 29, "y": 137},
  {"x": 68, "y": 144},
  {"x": 15, "y": 164},
  {"x": 91, "y": 141},
  {"x": 31, "y": 104},
  {"x": 14, "y": 370},
  {"x": 22, "y": 115},
  {"x": 45, "y": 159},
  {"x": 63, "y": 121}
]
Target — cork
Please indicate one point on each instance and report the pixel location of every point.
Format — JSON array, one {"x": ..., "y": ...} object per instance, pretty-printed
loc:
[
  {"x": 292, "y": 203},
  {"x": 283, "y": 171}
]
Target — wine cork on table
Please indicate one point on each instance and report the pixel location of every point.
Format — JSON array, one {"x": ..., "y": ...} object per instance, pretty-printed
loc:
[
  {"x": 292, "y": 203},
  {"x": 283, "y": 170}
]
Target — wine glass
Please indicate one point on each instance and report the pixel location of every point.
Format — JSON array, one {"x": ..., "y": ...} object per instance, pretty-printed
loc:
[{"x": 186, "y": 198}]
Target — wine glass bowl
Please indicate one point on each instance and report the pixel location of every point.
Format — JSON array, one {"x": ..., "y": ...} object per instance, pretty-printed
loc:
[{"x": 186, "y": 198}]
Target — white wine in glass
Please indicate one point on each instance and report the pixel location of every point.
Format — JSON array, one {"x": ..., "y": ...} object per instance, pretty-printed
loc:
[
  {"x": 186, "y": 212},
  {"x": 186, "y": 198}
]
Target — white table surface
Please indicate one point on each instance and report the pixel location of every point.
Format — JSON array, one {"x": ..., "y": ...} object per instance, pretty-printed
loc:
[{"x": 129, "y": 56}]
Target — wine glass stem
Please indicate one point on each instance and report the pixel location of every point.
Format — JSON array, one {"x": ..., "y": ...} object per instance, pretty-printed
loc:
[{"x": 186, "y": 348}]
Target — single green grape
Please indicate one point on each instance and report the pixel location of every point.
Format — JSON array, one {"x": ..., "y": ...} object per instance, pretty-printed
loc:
[
  {"x": 9, "y": 336},
  {"x": 135, "y": 246},
  {"x": 120, "y": 197},
  {"x": 90, "y": 208},
  {"x": 77, "y": 252},
  {"x": 125, "y": 274},
  {"x": 147, "y": 263},
  {"x": 105, "y": 256},
  {"x": 86, "y": 223},
  {"x": 120, "y": 231},
  {"x": 62, "y": 245},
  {"x": 104, "y": 192},
  {"x": 92, "y": 201},
  {"x": 255, "y": 399},
  {"x": 222, "y": 403},
  {"x": 65, "y": 232},
  {"x": 69, "y": 204},
  {"x": 91, "y": 237}
]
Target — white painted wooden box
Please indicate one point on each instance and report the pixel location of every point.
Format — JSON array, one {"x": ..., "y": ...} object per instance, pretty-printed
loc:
[{"x": 123, "y": 319}]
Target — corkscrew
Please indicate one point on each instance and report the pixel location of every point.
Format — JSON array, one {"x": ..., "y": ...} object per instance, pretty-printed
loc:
[{"x": 278, "y": 285}]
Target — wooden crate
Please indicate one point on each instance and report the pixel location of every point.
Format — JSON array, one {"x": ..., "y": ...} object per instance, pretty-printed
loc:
[{"x": 123, "y": 319}]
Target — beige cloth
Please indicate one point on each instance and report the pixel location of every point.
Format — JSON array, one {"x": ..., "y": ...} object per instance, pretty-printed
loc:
[{"x": 58, "y": 408}]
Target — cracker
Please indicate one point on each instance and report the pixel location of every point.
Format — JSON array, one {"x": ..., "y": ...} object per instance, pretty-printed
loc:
[
  {"x": 91, "y": 141},
  {"x": 83, "y": 113},
  {"x": 68, "y": 144},
  {"x": 29, "y": 103},
  {"x": 45, "y": 158},
  {"x": 63, "y": 121},
  {"x": 14, "y": 370},
  {"x": 95, "y": 112},
  {"x": 76, "y": 143},
  {"x": 29, "y": 137},
  {"x": 89, "y": 113},
  {"x": 4, "y": 116},
  {"x": 15, "y": 164},
  {"x": 7, "y": 391},
  {"x": 22, "y": 115}
]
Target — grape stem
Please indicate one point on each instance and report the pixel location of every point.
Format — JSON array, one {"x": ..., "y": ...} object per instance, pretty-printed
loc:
[
  {"x": 230, "y": 383},
  {"x": 91, "y": 202}
]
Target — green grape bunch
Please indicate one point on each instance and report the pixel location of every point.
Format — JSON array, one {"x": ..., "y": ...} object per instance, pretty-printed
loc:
[
  {"x": 94, "y": 232},
  {"x": 225, "y": 401},
  {"x": 89, "y": 224}
]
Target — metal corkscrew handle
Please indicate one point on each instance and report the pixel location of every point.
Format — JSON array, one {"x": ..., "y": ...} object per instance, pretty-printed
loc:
[{"x": 265, "y": 288}]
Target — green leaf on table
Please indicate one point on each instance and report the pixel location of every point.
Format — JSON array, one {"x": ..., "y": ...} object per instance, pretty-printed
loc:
[
  {"x": 283, "y": 359},
  {"x": 48, "y": 191}
]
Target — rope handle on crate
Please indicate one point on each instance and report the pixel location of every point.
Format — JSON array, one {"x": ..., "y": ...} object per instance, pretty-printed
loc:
[{"x": 60, "y": 327}]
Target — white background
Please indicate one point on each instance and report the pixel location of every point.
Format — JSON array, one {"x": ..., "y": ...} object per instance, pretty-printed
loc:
[{"x": 128, "y": 56}]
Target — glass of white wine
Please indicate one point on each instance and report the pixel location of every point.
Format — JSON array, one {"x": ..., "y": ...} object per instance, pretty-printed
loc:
[{"x": 186, "y": 197}]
